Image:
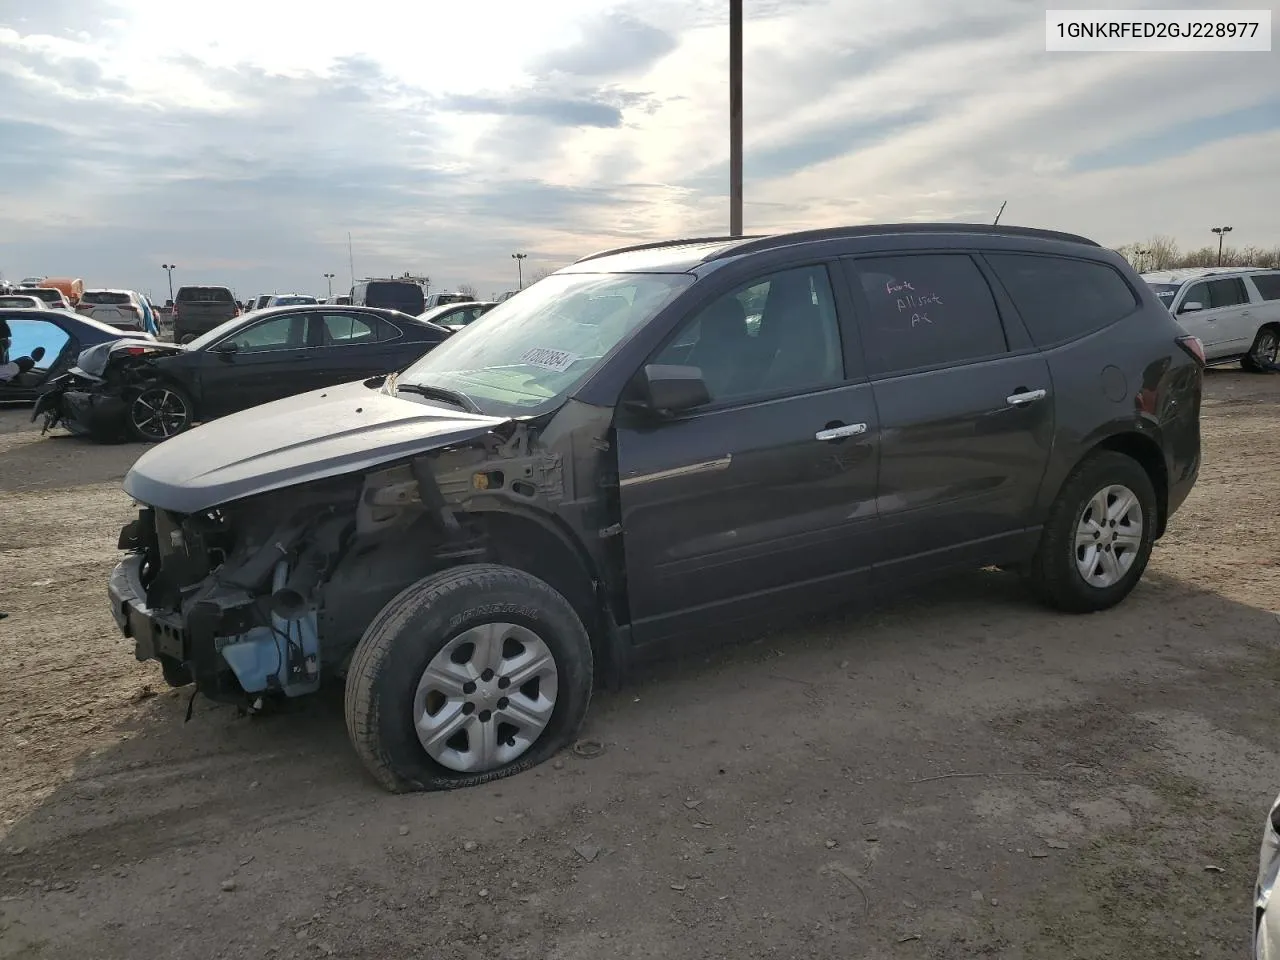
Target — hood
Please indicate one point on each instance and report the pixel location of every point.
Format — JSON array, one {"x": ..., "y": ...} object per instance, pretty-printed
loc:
[
  {"x": 325, "y": 433},
  {"x": 93, "y": 360}
]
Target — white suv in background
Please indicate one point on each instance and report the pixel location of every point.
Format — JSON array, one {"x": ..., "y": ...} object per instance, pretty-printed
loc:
[{"x": 1235, "y": 311}]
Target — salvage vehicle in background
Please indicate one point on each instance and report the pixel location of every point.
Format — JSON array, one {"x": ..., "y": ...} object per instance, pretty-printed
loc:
[
  {"x": 51, "y": 297},
  {"x": 14, "y": 301},
  {"x": 1235, "y": 311},
  {"x": 289, "y": 300},
  {"x": 455, "y": 316},
  {"x": 62, "y": 334},
  {"x": 123, "y": 309},
  {"x": 615, "y": 462},
  {"x": 153, "y": 391},
  {"x": 198, "y": 310}
]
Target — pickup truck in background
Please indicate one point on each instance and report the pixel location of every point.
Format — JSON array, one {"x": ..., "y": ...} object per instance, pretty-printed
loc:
[
  {"x": 198, "y": 310},
  {"x": 1234, "y": 311}
]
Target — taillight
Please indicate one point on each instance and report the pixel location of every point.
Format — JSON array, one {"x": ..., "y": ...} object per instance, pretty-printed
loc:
[
  {"x": 1194, "y": 347},
  {"x": 134, "y": 351}
]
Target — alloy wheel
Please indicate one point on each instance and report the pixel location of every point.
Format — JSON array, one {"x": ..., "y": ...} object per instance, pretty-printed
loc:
[
  {"x": 159, "y": 413},
  {"x": 1108, "y": 536},
  {"x": 485, "y": 698}
]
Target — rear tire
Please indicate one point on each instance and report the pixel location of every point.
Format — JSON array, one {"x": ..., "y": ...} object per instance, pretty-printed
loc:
[
  {"x": 389, "y": 711},
  {"x": 1265, "y": 352},
  {"x": 1098, "y": 538}
]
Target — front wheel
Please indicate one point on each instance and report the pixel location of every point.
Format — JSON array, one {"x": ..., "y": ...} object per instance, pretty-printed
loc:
[
  {"x": 1264, "y": 355},
  {"x": 1098, "y": 537},
  {"x": 472, "y": 674},
  {"x": 159, "y": 411}
]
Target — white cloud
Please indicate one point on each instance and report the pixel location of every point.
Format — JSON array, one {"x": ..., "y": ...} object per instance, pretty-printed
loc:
[{"x": 248, "y": 137}]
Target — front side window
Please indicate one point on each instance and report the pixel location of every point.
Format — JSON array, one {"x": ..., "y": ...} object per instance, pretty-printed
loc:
[
  {"x": 278, "y": 333},
  {"x": 926, "y": 310},
  {"x": 775, "y": 335},
  {"x": 29, "y": 334},
  {"x": 532, "y": 350}
]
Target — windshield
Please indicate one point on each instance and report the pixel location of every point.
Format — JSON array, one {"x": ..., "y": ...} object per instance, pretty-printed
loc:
[
  {"x": 47, "y": 294},
  {"x": 1165, "y": 291},
  {"x": 23, "y": 303},
  {"x": 292, "y": 301},
  {"x": 526, "y": 354}
]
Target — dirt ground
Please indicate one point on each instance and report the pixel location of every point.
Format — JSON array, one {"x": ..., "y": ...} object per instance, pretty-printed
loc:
[{"x": 956, "y": 774}]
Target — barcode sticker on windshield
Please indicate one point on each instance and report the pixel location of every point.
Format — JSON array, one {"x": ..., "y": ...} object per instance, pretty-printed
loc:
[{"x": 545, "y": 357}]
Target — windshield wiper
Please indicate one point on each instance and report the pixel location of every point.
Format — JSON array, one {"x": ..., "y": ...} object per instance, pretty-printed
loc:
[{"x": 439, "y": 393}]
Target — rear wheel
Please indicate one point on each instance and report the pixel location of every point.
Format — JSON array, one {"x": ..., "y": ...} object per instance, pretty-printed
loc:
[
  {"x": 1264, "y": 355},
  {"x": 159, "y": 411},
  {"x": 472, "y": 674},
  {"x": 1099, "y": 535}
]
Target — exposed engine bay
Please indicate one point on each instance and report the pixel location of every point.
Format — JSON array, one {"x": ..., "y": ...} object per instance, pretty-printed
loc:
[{"x": 268, "y": 596}]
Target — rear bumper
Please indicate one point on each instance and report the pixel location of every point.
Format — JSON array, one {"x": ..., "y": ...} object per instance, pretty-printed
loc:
[{"x": 93, "y": 414}]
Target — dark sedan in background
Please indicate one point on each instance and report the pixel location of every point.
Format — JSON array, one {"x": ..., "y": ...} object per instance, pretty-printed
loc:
[
  {"x": 150, "y": 391},
  {"x": 62, "y": 334}
]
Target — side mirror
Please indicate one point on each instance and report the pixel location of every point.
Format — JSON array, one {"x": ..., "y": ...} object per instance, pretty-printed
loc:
[
  {"x": 667, "y": 388},
  {"x": 1191, "y": 306},
  {"x": 226, "y": 347}
]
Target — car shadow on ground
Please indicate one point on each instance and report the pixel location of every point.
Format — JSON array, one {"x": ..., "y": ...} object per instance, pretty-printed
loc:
[{"x": 957, "y": 727}]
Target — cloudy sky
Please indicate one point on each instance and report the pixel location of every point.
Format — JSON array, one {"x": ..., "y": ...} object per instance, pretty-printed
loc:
[{"x": 243, "y": 139}]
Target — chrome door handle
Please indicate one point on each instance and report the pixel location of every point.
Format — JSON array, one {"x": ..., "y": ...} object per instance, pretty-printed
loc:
[
  {"x": 1027, "y": 396},
  {"x": 839, "y": 433}
]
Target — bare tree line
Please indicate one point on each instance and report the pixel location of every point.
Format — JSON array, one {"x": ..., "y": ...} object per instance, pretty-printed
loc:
[{"x": 1162, "y": 253}]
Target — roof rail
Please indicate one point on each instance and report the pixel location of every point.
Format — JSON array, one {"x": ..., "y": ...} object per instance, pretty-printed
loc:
[
  {"x": 656, "y": 244},
  {"x": 865, "y": 230}
]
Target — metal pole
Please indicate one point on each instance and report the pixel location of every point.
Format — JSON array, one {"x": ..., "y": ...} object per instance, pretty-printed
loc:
[
  {"x": 735, "y": 118},
  {"x": 519, "y": 259}
]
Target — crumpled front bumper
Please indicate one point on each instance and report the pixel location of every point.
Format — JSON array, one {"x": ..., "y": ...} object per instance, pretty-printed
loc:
[{"x": 154, "y": 633}]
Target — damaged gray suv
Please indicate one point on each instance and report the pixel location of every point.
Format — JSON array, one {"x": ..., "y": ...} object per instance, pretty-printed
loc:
[{"x": 653, "y": 446}]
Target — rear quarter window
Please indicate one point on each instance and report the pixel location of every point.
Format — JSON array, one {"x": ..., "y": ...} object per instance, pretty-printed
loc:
[
  {"x": 1268, "y": 285},
  {"x": 1061, "y": 299}
]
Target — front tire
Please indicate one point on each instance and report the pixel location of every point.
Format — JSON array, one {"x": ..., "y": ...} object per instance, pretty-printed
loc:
[
  {"x": 159, "y": 411},
  {"x": 1098, "y": 538},
  {"x": 470, "y": 675}
]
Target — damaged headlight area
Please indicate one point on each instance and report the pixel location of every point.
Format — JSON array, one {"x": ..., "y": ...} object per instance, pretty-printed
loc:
[{"x": 229, "y": 597}]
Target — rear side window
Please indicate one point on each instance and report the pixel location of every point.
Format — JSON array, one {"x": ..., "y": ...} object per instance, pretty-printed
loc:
[
  {"x": 1061, "y": 299},
  {"x": 341, "y": 329},
  {"x": 1268, "y": 285},
  {"x": 205, "y": 295},
  {"x": 926, "y": 310},
  {"x": 1227, "y": 292}
]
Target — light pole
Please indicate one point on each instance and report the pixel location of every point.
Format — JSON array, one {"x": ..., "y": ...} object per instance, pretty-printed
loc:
[
  {"x": 169, "y": 268},
  {"x": 735, "y": 118},
  {"x": 1221, "y": 232},
  {"x": 1137, "y": 257},
  {"x": 329, "y": 277},
  {"x": 519, "y": 259}
]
